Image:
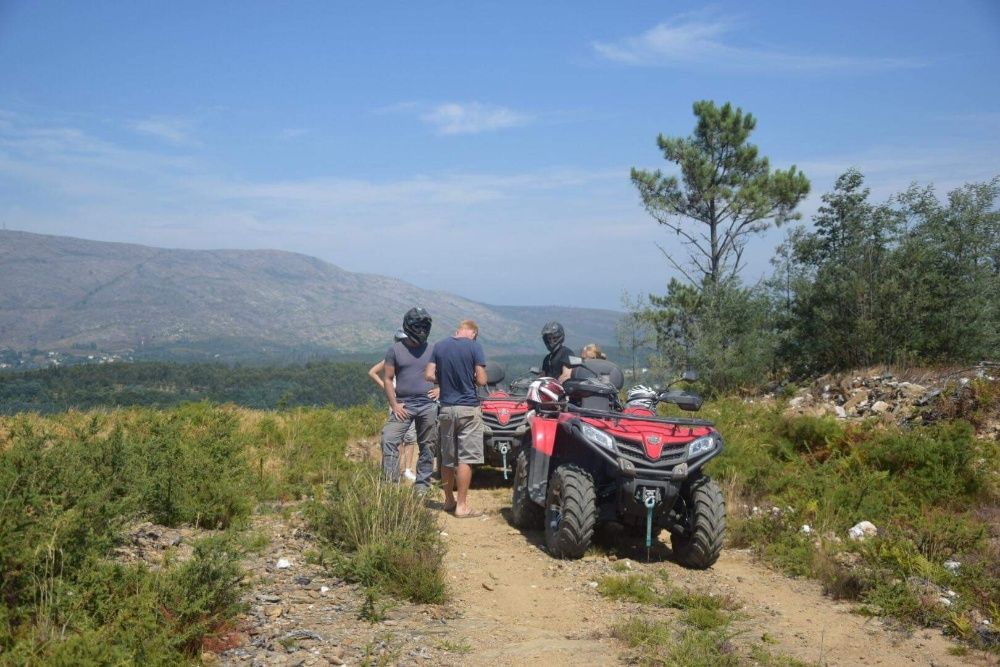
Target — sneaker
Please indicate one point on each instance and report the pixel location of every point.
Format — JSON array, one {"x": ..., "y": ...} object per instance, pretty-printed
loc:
[{"x": 408, "y": 474}]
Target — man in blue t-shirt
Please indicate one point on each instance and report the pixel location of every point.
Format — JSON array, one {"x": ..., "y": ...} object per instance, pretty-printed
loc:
[
  {"x": 458, "y": 366},
  {"x": 411, "y": 399}
]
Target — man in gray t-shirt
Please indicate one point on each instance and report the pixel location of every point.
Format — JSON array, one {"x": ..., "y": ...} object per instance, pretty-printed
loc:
[{"x": 411, "y": 399}]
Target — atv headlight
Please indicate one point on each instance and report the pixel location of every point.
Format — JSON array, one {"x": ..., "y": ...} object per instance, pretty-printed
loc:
[
  {"x": 598, "y": 437},
  {"x": 702, "y": 445}
]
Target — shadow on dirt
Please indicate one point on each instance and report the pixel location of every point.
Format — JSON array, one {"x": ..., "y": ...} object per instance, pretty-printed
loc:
[
  {"x": 612, "y": 540},
  {"x": 486, "y": 477}
]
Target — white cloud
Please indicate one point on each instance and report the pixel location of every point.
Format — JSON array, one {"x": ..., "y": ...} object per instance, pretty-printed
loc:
[
  {"x": 293, "y": 133},
  {"x": 472, "y": 118},
  {"x": 694, "y": 40},
  {"x": 172, "y": 129}
]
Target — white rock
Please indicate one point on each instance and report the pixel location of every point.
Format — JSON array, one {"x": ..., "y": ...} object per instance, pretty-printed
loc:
[
  {"x": 805, "y": 529},
  {"x": 880, "y": 406},
  {"x": 950, "y": 593},
  {"x": 944, "y": 602},
  {"x": 862, "y": 531},
  {"x": 952, "y": 566},
  {"x": 797, "y": 402},
  {"x": 324, "y": 589},
  {"x": 283, "y": 564},
  {"x": 841, "y": 412},
  {"x": 592, "y": 584}
]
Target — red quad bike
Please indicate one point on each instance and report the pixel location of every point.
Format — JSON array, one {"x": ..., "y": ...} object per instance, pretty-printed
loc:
[
  {"x": 505, "y": 417},
  {"x": 589, "y": 460}
]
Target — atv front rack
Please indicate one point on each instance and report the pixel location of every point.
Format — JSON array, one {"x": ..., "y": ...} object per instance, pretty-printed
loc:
[{"x": 608, "y": 414}]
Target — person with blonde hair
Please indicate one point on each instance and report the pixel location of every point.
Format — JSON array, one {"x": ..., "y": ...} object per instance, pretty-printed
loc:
[
  {"x": 458, "y": 367},
  {"x": 592, "y": 351}
]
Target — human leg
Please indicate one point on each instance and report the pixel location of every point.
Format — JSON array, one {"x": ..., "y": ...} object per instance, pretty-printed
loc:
[
  {"x": 427, "y": 441},
  {"x": 469, "y": 451},
  {"x": 392, "y": 435},
  {"x": 408, "y": 457},
  {"x": 446, "y": 438}
]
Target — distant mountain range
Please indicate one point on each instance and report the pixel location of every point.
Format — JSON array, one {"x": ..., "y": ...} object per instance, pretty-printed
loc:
[{"x": 63, "y": 293}]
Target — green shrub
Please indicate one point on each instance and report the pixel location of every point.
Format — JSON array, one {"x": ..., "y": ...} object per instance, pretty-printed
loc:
[
  {"x": 110, "y": 613},
  {"x": 633, "y": 587},
  {"x": 390, "y": 540}
]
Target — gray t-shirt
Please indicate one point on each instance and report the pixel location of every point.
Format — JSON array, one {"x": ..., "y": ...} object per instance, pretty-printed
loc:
[{"x": 410, "y": 364}]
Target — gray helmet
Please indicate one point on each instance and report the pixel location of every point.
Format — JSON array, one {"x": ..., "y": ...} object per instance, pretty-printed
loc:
[
  {"x": 553, "y": 335},
  {"x": 417, "y": 324}
]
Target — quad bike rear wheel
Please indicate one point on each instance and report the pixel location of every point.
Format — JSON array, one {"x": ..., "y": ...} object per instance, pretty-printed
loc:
[
  {"x": 701, "y": 542},
  {"x": 524, "y": 513},
  {"x": 570, "y": 512}
]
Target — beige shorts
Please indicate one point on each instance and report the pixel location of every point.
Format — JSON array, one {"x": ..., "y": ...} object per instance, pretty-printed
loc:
[{"x": 460, "y": 429}]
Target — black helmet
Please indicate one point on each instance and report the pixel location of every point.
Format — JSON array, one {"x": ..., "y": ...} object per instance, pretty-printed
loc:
[
  {"x": 417, "y": 324},
  {"x": 553, "y": 335}
]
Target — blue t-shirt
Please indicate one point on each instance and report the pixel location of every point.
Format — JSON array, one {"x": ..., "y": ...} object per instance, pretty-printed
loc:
[
  {"x": 410, "y": 364},
  {"x": 456, "y": 360}
]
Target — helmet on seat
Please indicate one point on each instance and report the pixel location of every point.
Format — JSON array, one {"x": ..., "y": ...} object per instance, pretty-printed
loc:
[
  {"x": 545, "y": 391},
  {"x": 553, "y": 335},
  {"x": 417, "y": 324},
  {"x": 641, "y": 396}
]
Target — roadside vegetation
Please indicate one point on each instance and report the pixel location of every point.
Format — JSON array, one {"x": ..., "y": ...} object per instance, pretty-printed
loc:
[
  {"x": 72, "y": 484},
  {"x": 795, "y": 485},
  {"x": 698, "y": 633}
]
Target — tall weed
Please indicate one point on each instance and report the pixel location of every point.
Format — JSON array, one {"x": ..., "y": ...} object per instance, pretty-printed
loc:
[{"x": 390, "y": 538}]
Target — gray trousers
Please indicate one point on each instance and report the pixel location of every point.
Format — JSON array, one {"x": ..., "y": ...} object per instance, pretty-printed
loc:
[{"x": 426, "y": 419}]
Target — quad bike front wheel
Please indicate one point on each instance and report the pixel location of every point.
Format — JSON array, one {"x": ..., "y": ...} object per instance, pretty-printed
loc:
[
  {"x": 700, "y": 543},
  {"x": 524, "y": 512},
  {"x": 570, "y": 512}
]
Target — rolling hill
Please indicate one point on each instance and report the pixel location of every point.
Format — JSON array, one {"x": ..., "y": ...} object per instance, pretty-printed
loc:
[{"x": 61, "y": 293}]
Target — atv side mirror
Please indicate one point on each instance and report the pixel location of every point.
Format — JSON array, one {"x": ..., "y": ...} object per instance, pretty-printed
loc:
[
  {"x": 683, "y": 400},
  {"x": 573, "y": 362},
  {"x": 535, "y": 370},
  {"x": 690, "y": 375}
]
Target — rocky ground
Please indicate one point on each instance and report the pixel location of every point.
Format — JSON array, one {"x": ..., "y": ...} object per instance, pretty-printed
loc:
[
  {"x": 512, "y": 604},
  {"x": 906, "y": 397}
]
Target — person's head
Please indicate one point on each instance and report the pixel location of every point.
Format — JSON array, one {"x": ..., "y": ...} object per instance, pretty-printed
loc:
[
  {"x": 467, "y": 329},
  {"x": 417, "y": 325},
  {"x": 592, "y": 351},
  {"x": 553, "y": 336}
]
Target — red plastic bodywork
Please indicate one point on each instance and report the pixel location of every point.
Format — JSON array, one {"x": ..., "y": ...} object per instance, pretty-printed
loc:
[
  {"x": 504, "y": 406},
  {"x": 653, "y": 435}
]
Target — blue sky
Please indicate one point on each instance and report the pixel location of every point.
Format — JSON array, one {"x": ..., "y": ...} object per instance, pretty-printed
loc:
[{"x": 474, "y": 148}]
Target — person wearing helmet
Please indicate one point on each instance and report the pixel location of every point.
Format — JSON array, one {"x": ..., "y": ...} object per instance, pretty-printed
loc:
[
  {"x": 410, "y": 399},
  {"x": 409, "y": 451},
  {"x": 556, "y": 362}
]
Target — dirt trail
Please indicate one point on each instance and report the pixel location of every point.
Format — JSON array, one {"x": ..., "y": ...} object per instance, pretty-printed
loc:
[
  {"x": 512, "y": 604},
  {"x": 520, "y": 606}
]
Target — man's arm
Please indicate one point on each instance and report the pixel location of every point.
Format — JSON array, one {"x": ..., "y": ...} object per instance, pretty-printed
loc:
[
  {"x": 390, "y": 393},
  {"x": 430, "y": 373},
  {"x": 375, "y": 373},
  {"x": 479, "y": 358}
]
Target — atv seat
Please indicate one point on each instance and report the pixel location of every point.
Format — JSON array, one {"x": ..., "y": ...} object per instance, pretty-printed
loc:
[
  {"x": 495, "y": 374},
  {"x": 595, "y": 385}
]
